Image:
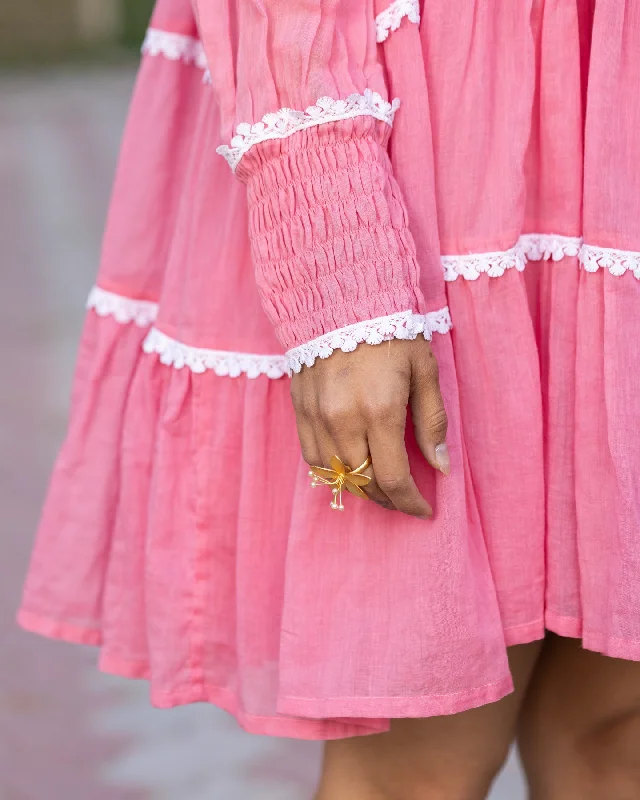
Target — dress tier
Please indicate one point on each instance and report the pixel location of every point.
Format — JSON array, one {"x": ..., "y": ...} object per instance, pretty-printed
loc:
[{"x": 180, "y": 534}]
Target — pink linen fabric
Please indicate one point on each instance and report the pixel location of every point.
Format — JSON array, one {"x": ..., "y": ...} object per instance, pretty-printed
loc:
[{"x": 180, "y": 533}]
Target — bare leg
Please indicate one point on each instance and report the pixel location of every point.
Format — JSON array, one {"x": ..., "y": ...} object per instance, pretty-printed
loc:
[
  {"x": 579, "y": 731},
  {"x": 441, "y": 758}
]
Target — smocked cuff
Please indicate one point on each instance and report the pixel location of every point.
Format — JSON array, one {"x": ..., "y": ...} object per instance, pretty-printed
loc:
[{"x": 328, "y": 229}]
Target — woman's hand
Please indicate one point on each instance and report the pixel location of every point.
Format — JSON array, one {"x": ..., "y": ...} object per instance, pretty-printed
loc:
[{"x": 353, "y": 405}]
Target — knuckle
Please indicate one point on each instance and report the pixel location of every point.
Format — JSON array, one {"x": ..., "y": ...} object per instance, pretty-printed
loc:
[
  {"x": 382, "y": 410},
  {"x": 301, "y": 402},
  {"x": 386, "y": 504},
  {"x": 308, "y": 457},
  {"x": 438, "y": 423},
  {"x": 309, "y": 410},
  {"x": 306, "y": 407},
  {"x": 337, "y": 416},
  {"x": 392, "y": 484}
]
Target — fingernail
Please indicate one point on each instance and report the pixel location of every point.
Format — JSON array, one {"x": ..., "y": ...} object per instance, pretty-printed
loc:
[{"x": 442, "y": 459}]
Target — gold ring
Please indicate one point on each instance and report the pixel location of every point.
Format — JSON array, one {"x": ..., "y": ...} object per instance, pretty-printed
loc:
[{"x": 341, "y": 476}]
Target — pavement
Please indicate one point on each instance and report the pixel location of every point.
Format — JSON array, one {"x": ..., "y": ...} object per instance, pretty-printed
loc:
[{"x": 68, "y": 732}]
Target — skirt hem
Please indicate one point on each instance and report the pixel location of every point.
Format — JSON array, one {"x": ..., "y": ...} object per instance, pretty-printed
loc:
[
  {"x": 397, "y": 707},
  {"x": 331, "y": 715},
  {"x": 597, "y": 641},
  {"x": 308, "y": 729},
  {"x": 524, "y": 634},
  {"x": 374, "y": 711}
]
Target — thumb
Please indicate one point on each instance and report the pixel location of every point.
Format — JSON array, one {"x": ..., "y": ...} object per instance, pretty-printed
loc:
[{"x": 428, "y": 412}]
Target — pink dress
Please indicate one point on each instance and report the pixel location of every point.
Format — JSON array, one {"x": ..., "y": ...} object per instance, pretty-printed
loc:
[{"x": 180, "y": 533}]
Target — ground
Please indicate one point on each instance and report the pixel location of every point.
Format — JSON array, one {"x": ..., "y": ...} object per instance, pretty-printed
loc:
[{"x": 66, "y": 731}]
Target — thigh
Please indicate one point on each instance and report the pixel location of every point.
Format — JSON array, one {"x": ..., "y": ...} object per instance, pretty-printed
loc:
[
  {"x": 579, "y": 728},
  {"x": 453, "y": 756}
]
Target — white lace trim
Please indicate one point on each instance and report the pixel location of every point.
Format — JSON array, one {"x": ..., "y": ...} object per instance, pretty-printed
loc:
[
  {"x": 471, "y": 266},
  {"x": 546, "y": 246},
  {"x": 286, "y": 121},
  {"x": 530, "y": 247},
  {"x": 175, "y": 47},
  {"x": 123, "y": 309},
  {"x": 224, "y": 363},
  {"x": 616, "y": 261},
  {"x": 390, "y": 19},
  {"x": 404, "y": 325}
]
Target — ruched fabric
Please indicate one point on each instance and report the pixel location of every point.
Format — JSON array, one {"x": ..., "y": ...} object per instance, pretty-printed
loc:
[{"x": 329, "y": 230}]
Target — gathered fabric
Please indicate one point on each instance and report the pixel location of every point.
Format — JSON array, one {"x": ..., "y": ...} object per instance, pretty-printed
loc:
[
  {"x": 328, "y": 231},
  {"x": 331, "y": 174}
]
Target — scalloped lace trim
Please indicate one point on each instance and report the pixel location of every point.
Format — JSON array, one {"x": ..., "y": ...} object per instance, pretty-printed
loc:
[
  {"x": 530, "y": 247},
  {"x": 390, "y": 19},
  {"x": 616, "y": 261},
  {"x": 224, "y": 363},
  {"x": 549, "y": 246},
  {"x": 472, "y": 266},
  {"x": 175, "y": 47},
  {"x": 404, "y": 325},
  {"x": 286, "y": 121},
  {"x": 123, "y": 309}
]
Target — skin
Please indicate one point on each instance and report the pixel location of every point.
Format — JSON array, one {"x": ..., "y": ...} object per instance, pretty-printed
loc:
[
  {"x": 355, "y": 404},
  {"x": 441, "y": 758},
  {"x": 579, "y": 727},
  {"x": 576, "y": 714}
]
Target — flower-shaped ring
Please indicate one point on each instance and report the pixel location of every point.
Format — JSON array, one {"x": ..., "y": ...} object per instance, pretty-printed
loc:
[{"x": 340, "y": 477}]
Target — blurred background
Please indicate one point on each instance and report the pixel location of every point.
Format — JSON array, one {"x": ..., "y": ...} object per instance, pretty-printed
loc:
[
  {"x": 33, "y": 31},
  {"x": 67, "y": 732}
]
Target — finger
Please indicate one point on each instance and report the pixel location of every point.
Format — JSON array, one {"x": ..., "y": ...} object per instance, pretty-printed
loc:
[
  {"x": 305, "y": 405},
  {"x": 372, "y": 490},
  {"x": 327, "y": 449},
  {"x": 347, "y": 440},
  {"x": 308, "y": 443},
  {"x": 429, "y": 414},
  {"x": 356, "y": 452},
  {"x": 391, "y": 466}
]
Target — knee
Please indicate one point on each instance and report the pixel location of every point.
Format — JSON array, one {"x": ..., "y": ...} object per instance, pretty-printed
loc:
[
  {"x": 468, "y": 779},
  {"x": 380, "y": 769},
  {"x": 611, "y": 756}
]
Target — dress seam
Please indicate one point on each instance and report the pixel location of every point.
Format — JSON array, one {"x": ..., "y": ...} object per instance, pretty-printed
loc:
[{"x": 356, "y": 698}]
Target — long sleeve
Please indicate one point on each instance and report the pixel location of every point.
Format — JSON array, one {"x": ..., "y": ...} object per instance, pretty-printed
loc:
[{"x": 306, "y": 114}]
